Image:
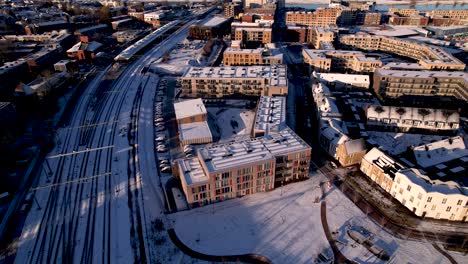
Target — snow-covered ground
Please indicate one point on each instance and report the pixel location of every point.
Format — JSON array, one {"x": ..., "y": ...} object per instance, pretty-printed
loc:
[
  {"x": 233, "y": 123},
  {"x": 397, "y": 143},
  {"x": 282, "y": 225},
  {"x": 342, "y": 214},
  {"x": 105, "y": 203}
]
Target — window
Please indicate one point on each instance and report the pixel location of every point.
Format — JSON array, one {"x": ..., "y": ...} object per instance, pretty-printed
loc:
[
  {"x": 411, "y": 199},
  {"x": 429, "y": 199},
  {"x": 460, "y": 202},
  {"x": 419, "y": 196},
  {"x": 448, "y": 209},
  {"x": 398, "y": 180},
  {"x": 195, "y": 197},
  {"x": 433, "y": 207},
  {"x": 444, "y": 201},
  {"x": 408, "y": 188},
  {"x": 400, "y": 191}
]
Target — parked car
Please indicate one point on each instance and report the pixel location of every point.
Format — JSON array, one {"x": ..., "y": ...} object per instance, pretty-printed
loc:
[
  {"x": 166, "y": 169},
  {"x": 159, "y": 120}
]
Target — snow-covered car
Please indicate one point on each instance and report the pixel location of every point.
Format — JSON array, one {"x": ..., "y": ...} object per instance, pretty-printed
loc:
[
  {"x": 160, "y": 139},
  {"x": 159, "y": 128},
  {"x": 166, "y": 169},
  {"x": 159, "y": 120},
  {"x": 188, "y": 155}
]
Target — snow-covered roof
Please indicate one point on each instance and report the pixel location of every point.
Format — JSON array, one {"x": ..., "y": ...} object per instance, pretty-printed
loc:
[
  {"x": 275, "y": 74},
  {"x": 192, "y": 171},
  {"x": 189, "y": 108},
  {"x": 378, "y": 112},
  {"x": 422, "y": 74},
  {"x": 417, "y": 177},
  {"x": 355, "y": 146},
  {"x": 381, "y": 160},
  {"x": 344, "y": 78},
  {"x": 226, "y": 156},
  {"x": 271, "y": 112},
  {"x": 195, "y": 130},
  {"x": 439, "y": 152},
  {"x": 215, "y": 21}
]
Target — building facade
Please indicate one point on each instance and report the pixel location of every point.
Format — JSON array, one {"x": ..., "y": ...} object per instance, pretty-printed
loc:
[
  {"x": 430, "y": 57},
  {"x": 226, "y": 171},
  {"x": 408, "y": 118},
  {"x": 380, "y": 168},
  {"x": 339, "y": 60},
  {"x": 262, "y": 35},
  {"x": 430, "y": 198},
  {"x": 225, "y": 81},
  {"x": 237, "y": 57},
  {"x": 394, "y": 83},
  {"x": 321, "y": 17}
]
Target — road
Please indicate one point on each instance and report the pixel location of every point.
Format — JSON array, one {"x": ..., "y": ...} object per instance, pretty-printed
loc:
[{"x": 104, "y": 190}]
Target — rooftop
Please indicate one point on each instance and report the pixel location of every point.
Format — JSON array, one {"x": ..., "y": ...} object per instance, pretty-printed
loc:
[
  {"x": 192, "y": 171},
  {"x": 236, "y": 154},
  {"x": 215, "y": 21},
  {"x": 423, "y": 74},
  {"x": 412, "y": 113},
  {"x": 189, "y": 108},
  {"x": 439, "y": 152},
  {"x": 429, "y": 185},
  {"x": 383, "y": 161},
  {"x": 275, "y": 74},
  {"x": 271, "y": 112},
  {"x": 195, "y": 130},
  {"x": 344, "y": 78}
]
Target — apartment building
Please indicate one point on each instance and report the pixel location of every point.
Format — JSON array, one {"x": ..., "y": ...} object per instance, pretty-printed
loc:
[
  {"x": 368, "y": 18},
  {"x": 434, "y": 187},
  {"x": 394, "y": 83},
  {"x": 429, "y": 198},
  {"x": 225, "y": 171},
  {"x": 339, "y": 60},
  {"x": 332, "y": 131},
  {"x": 415, "y": 20},
  {"x": 236, "y": 57},
  {"x": 192, "y": 122},
  {"x": 262, "y": 35},
  {"x": 257, "y": 24},
  {"x": 232, "y": 9},
  {"x": 314, "y": 35},
  {"x": 343, "y": 81},
  {"x": 405, "y": 12},
  {"x": 411, "y": 118},
  {"x": 223, "y": 81},
  {"x": 270, "y": 116},
  {"x": 380, "y": 168},
  {"x": 430, "y": 57},
  {"x": 456, "y": 14},
  {"x": 217, "y": 26},
  {"x": 321, "y": 17}
]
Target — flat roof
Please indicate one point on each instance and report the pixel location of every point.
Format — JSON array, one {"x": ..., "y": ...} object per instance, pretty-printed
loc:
[
  {"x": 215, "y": 21},
  {"x": 417, "y": 177},
  {"x": 271, "y": 112},
  {"x": 275, "y": 74},
  {"x": 422, "y": 74},
  {"x": 195, "y": 130},
  {"x": 192, "y": 171},
  {"x": 344, "y": 78},
  {"x": 222, "y": 157},
  {"x": 189, "y": 108}
]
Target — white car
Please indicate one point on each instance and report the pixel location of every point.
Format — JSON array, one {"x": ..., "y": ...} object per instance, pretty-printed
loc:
[
  {"x": 161, "y": 149},
  {"x": 159, "y": 120},
  {"x": 166, "y": 169},
  {"x": 160, "y": 139}
]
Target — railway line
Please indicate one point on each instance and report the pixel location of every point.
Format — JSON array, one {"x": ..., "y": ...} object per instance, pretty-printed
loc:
[{"x": 93, "y": 209}]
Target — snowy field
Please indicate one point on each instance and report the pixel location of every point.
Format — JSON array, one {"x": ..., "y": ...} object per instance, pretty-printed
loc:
[
  {"x": 397, "y": 143},
  {"x": 284, "y": 228},
  {"x": 342, "y": 214},
  {"x": 233, "y": 123}
]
